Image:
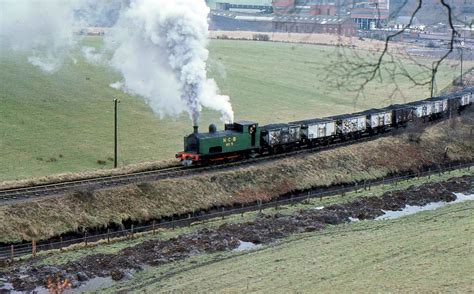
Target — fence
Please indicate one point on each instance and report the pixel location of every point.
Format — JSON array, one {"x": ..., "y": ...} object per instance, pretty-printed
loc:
[{"x": 30, "y": 249}]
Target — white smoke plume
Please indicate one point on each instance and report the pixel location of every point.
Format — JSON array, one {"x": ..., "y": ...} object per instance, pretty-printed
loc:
[
  {"x": 43, "y": 29},
  {"x": 160, "y": 48}
]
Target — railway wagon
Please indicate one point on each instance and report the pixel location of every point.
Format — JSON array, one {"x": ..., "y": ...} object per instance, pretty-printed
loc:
[
  {"x": 316, "y": 130},
  {"x": 439, "y": 105},
  {"x": 378, "y": 119},
  {"x": 401, "y": 114},
  {"x": 238, "y": 139},
  {"x": 349, "y": 124},
  {"x": 466, "y": 99},
  {"x": 422, "y": 109},
  {"x": 276, "y": 137}
]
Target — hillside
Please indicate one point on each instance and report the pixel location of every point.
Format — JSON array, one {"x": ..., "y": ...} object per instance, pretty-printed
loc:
[{"x": 64, "y": 122}]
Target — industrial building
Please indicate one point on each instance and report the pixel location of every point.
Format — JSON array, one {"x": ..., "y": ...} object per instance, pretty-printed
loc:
[
  {"x": 370, "y": 14},
  {"x": 304, "y": 7},
  {"x": 230, "y": 21}
]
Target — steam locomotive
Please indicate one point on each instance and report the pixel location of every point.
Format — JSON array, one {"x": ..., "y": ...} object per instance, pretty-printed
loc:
[{"x": 245, "y": 139}]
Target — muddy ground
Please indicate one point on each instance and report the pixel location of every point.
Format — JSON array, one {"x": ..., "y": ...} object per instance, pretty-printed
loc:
[{"x": 263, "y": 229}]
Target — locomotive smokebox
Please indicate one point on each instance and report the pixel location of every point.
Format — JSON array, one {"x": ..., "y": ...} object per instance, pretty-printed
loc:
[{"x": 195, "y": 129}]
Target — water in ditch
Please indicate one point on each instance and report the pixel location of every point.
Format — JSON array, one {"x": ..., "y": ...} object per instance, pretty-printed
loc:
[
  {"x": 410, "y": 209},
  {"x": 243, "y": 246}
]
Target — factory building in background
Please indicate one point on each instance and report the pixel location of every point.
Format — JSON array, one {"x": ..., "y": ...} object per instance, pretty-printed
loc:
[
  {"x": 370, "y": 14},
  {"x": 305, "y": 7}
]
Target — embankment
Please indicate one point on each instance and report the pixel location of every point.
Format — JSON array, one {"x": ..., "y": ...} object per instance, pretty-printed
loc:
[{"x": 440, "y": 144}]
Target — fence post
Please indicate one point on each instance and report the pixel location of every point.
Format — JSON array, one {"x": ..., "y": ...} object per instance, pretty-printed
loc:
[
  {"x": 223, "y": 216},
  {"x": 12, "y": 252},
  {"x": 33, "y": 248},
  {"x": 85, "y": 238},
  {"x": 61, "y": 243},
  {"x": 242, "y": 211},
  {"x": 153, "y": 227},
  {"x": 108, "y": 235},
  {"x": 131, "y": 232}
]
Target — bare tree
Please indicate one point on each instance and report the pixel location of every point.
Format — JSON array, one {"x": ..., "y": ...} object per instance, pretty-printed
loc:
[{"x": 354, "y": 70}]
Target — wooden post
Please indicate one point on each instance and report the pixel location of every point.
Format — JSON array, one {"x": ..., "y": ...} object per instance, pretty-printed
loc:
[
  {"x": 242, "y": 211},
  {"x": 153, "y": 227},
  {"x": 108, "y": 236},
  {"x": 61, "y": 243},
  {"x": 131, "y": 232},
  {"x": 223, "y": 213},
  {"x": 85, "y": 238},
  {"x": 12, "y": 252},
  {"x": 33, "y": 248}
]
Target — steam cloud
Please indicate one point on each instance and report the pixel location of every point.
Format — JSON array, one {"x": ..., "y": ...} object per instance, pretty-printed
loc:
[
  {"x": 159, "y": 46},
  {"x": 44, "y": 29},
  {"x": 162, "y": 56}
]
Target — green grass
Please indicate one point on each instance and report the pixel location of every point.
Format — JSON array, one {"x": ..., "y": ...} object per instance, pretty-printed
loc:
[
  {"x": 64, "y": 122},
  {"x": 425, "y": 252}
]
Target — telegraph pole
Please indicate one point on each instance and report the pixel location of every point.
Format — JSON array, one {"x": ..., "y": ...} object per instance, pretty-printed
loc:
[
  {"x": 462, "y": 47},
  {"x": 116, "y": 102}
]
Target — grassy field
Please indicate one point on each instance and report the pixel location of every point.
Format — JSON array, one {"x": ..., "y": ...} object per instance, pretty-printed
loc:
[
  {"x": 426, "y": 252},
  {"x": 64, "y": 122}
]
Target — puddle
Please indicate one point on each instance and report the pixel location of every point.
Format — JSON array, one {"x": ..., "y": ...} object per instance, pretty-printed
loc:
[
  {"x": 353, "y": 219},
  {"x": 410, "y": 209},
  {"x": 246, "y": 246},
  {"x": 319, "y": 208},
  {"x": 8, "y": 288},
  {"x": 92, "y": 285}
]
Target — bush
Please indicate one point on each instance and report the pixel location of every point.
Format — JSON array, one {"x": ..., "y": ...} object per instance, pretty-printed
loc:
[{"x": 261, "y": 37}]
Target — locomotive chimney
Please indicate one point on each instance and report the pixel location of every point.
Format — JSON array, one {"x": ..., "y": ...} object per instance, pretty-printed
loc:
[{"x": 195, "y": 128}]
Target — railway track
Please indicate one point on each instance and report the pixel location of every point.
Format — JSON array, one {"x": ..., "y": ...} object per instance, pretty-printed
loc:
[{"x": 8, "y": 196}]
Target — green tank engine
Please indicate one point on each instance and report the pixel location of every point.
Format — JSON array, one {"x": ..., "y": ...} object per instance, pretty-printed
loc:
[{"x": 239, "y": 139}]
